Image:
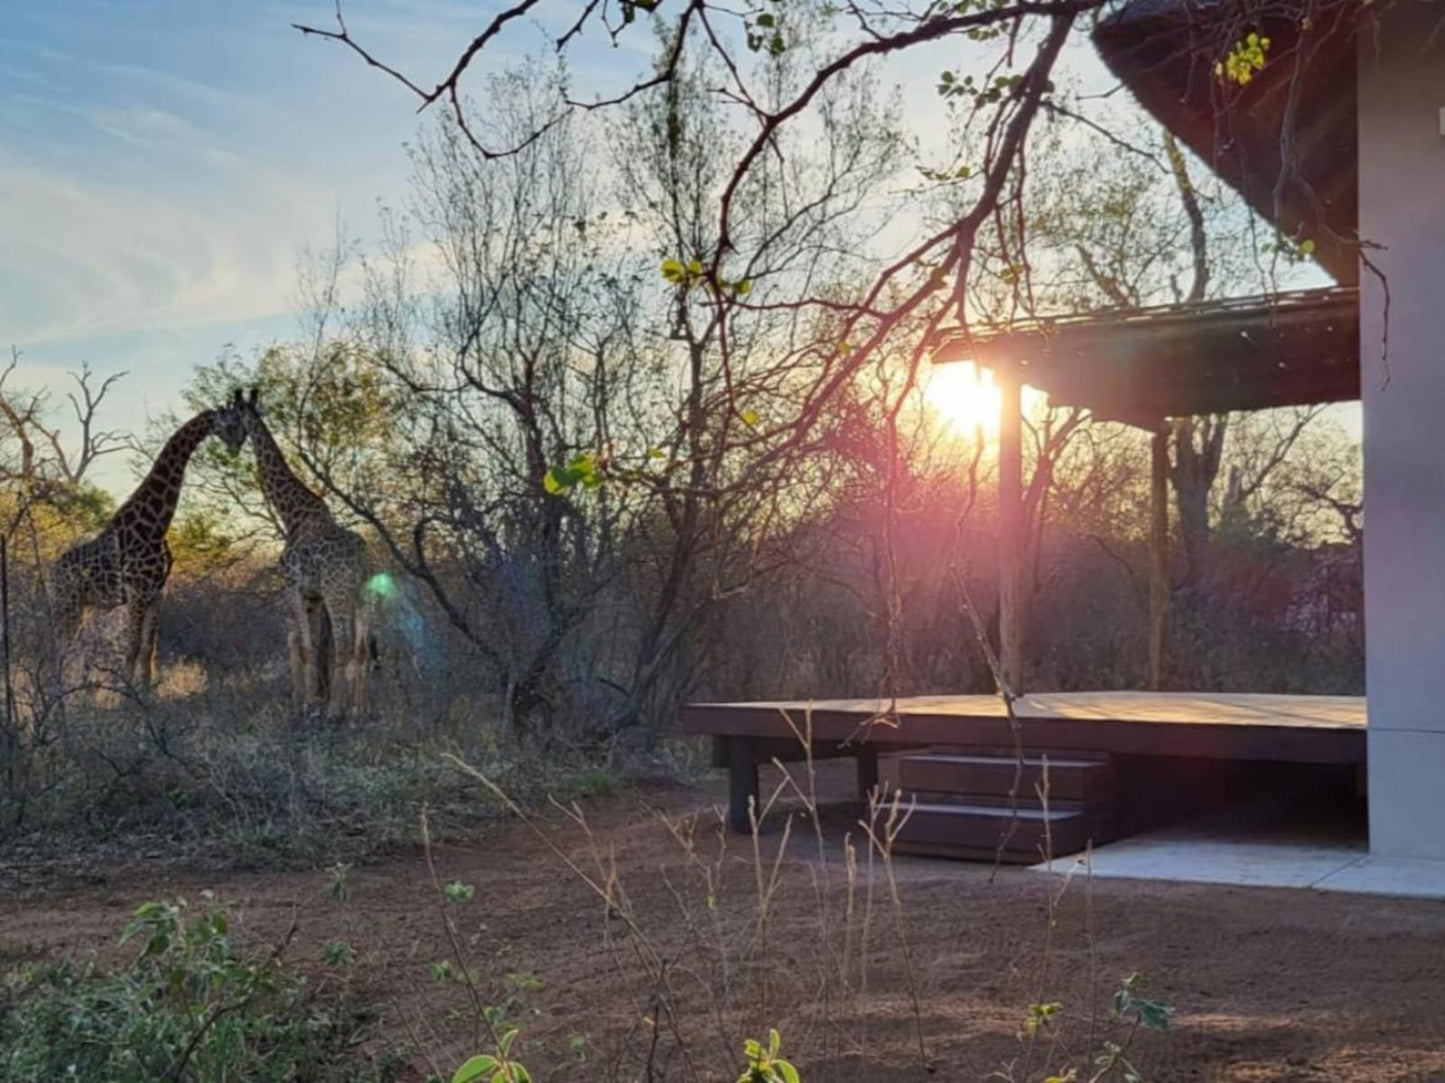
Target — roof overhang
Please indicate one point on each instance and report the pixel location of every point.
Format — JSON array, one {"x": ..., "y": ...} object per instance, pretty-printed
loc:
[
  {"x": 1144, "y": 365},
  {"x": 1286, "y": 140}
]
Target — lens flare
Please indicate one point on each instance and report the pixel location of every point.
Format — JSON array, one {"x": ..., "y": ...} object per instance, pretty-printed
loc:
[{"x": 963, "y": 397}]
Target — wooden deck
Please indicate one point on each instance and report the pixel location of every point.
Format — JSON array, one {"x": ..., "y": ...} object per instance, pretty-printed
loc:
[{"x": 1217, "y": 726}]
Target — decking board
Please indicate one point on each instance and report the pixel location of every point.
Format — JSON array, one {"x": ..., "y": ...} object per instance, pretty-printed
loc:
[{"x": 1233, "y": 726}]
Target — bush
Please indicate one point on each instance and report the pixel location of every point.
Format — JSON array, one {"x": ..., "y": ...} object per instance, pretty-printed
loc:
[{"x": 189, "y": 1007}]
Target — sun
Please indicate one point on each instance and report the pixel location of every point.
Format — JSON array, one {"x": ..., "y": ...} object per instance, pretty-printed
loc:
[{"x": 963, "y": 397}]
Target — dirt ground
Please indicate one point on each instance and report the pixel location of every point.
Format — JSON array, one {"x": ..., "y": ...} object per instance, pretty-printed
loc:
[{"x": 1266, "y": 984}]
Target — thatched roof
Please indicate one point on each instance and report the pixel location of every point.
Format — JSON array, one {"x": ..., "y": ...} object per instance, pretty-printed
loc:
[
  {"x": 1286, "y": 140},
  {"x": 1144, "y": 365}
]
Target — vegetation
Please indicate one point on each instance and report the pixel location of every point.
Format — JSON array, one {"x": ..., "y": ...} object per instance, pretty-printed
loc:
[
  {"x": 631, "y": 405},
  {"x": 189, "y": 1006}
]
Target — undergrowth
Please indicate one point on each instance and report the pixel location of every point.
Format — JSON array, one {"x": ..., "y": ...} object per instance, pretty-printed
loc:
[
  {"x": 209, "y": 781},
  {"x": 189, "y": 1006}
]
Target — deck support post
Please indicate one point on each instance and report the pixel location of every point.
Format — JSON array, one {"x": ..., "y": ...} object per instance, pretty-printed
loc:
[
  {"x": 1158, "y": 558},
  {"x": 1011, "y": 530},
  {"x": 867, "y": 764},
  {"x": 742, "y": 783}
]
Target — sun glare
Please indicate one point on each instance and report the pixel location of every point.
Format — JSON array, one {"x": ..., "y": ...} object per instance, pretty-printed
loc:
[{"x": 963, "y": 397}]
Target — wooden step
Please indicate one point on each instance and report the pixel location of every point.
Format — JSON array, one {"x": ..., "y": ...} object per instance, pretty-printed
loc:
[
  {"x": 1028, "y": 801},
  {"x": 1070, "y": 778},
  {"x": 974, "y": 831}
]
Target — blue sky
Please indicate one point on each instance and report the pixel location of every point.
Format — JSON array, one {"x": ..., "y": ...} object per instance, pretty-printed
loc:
[{"x": 166, "y": 164}]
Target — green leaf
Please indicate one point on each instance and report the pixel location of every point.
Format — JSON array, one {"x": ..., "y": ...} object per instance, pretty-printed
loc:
[
  {"x": 767, "y": 20},
  {"x": 456, "y": 891},
  {"x": 474, "y": 1069},
  {"x": 552, "y": 483},
  {"x": 788, "y": 1072},
  {"x": 750, "y": 418},
  {"x": 672, "y": 270},
  {"x": 1154, "y": 1015},
  {"x": 744, "y": 287},
  {"x": 694, "y": 267}
]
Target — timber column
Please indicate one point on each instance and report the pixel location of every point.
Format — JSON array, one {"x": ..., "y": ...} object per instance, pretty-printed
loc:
[{"x": 1010, "y": 529}]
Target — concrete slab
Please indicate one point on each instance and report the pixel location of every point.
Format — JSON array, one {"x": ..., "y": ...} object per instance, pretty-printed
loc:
[
  {"x": 1183, "y": 858},
  {"x": 1419, "y": 878},
  {"x": 1188, "y": 859}
]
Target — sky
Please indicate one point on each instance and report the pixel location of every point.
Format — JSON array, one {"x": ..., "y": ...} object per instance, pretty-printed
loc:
[{"x": 166, "y": 166}]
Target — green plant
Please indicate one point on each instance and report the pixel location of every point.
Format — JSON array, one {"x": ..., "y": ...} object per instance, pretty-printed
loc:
[
  {"x": 338, "y": 953},
  {"x": 189, "y": 1006},
  {"x": 1246, "y": 58},
  {"x": 765, "y": 1065},
  {"x": 1130, "y": 1011},
  {"x": 493, "y": 1067},
  {"x": 458, "y": 892}
]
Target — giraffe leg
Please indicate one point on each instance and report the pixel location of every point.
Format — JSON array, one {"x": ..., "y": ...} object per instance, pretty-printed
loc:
[
  {"x": 319, "y": 676},
  {"x": 137, "y": 611},
  {"x": 361, "y": 656},
  {"x": 150, "y": 646},
  {"x": 302, "y": 650},
  {"x": 343, "y": 634}
]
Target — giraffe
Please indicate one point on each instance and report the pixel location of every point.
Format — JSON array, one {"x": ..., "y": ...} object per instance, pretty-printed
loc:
[
  {"x": 324, "y": 568},
  {"x": 128, "y": 562}
]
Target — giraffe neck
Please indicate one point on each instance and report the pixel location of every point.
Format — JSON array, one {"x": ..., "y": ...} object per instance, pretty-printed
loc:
[
  {"x": 152, "y": 506},
  {"x": 294, "y": 503}
]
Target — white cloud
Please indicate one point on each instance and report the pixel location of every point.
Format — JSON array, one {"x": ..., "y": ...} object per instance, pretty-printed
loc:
[{"x": 84, "y": 258}]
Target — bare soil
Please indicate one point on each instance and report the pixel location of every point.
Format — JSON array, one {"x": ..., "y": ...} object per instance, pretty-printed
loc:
[{"x": 1266, "y": 984}]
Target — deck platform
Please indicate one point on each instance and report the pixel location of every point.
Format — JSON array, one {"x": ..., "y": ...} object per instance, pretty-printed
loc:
[{"x": 1327, "y": 730}]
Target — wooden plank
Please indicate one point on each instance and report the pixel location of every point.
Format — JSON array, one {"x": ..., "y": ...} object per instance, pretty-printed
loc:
[
  {"x": 1303, "y": 729},
  {"x": 1069, "y": 779},
  {"x": 974, "y": 829}
]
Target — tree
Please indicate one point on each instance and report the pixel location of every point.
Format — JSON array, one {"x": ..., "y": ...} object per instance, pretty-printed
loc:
[
  {"x": 44, "y": 474},
  {"x": 980, "y": 235}
]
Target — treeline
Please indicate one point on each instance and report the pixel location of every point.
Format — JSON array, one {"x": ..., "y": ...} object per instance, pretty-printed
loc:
[{"x": 605, "y": 480}]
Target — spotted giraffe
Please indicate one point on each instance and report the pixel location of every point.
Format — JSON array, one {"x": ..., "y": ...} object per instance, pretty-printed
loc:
[
  {"x": 128, "y": 562},
  {"x": 324, "y": 568}
]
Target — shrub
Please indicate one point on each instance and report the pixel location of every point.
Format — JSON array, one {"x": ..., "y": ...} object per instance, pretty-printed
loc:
[{"x": 190, "y": 1006}]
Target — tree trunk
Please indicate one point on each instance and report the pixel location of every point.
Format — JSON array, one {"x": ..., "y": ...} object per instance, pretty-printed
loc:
[{"x": 1198, "y": 444}]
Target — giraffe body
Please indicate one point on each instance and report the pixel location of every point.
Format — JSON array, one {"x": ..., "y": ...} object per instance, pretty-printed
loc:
[
  {"x": 324, "y": 567},
  {"x": 128, "y": 562}
]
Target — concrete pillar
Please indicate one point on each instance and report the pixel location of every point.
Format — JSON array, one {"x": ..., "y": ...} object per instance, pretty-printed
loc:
[{"x": 1402, "y": 207}]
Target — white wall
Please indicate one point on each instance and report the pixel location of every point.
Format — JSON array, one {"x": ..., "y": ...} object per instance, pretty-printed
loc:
[{"x": 1402, "y": 206}]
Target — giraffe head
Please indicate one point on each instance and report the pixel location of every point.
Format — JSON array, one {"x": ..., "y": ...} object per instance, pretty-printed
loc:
[
  {"x": 248, "y": 405},
  {"x": 229, "y": 423}
]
